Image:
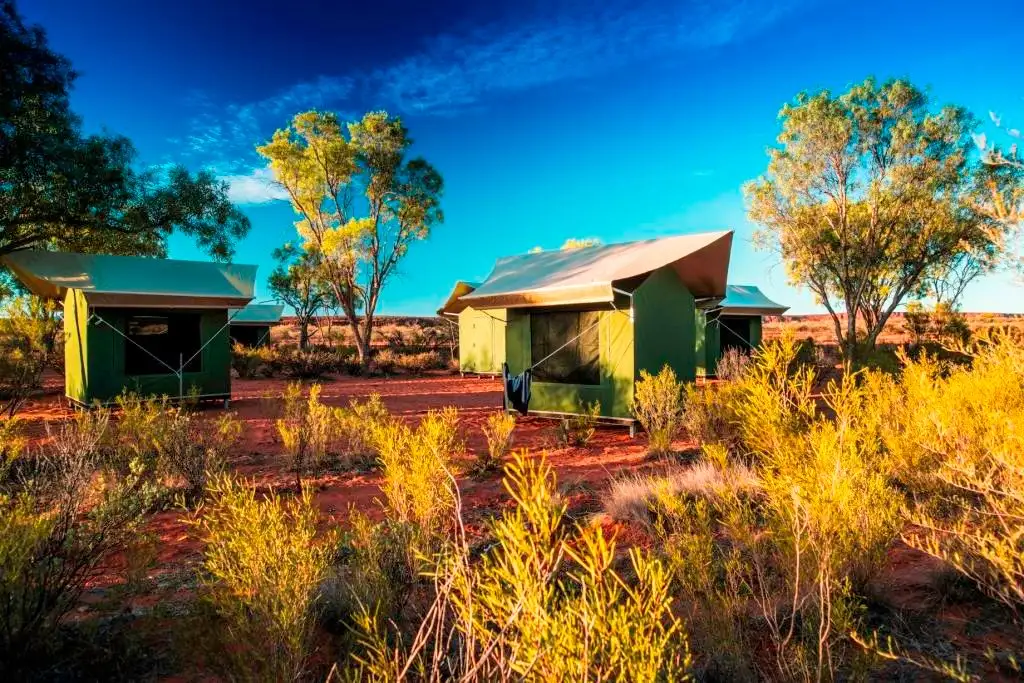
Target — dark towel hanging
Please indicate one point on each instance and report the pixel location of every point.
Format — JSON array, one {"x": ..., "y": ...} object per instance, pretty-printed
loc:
[{"x": 517, "y": 389}]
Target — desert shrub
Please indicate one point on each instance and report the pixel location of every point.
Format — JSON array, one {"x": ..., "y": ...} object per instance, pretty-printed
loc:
[
  {"x": 312, "y": 363},
  {"x": 658, "y": 405},
  {"x": 498, "y": 432},
  {"x": 191, "y": 451},
  {"x": 968, "y": 453},
  {"x": 709, "y": 414},
  {"x": 356, "y": 429},
  {"x": 263, "y": 567},
  {"x": 917, "y": 322},
  {"x": 246, "y": 361},
  {"x": 29, "y": 331},
  {"x": 949, "y": 326},
  {"x": 143, "y": 424},
  {"x": 578, "y": 429},
  {"x": 385, "y": 361},
  {"x": 62, "y": 519},
  {"x": 294, "y": 430},
  {"x": 12, "y": 443},
  {"x": 730, "y": 366},
  {"x": 419, "y": 362},
  {"x": 642, "y": 498},
  {"x": 379, "y": 567},
  {"x": 543, "y": 604},
  {"x": 416, "y": 470}
]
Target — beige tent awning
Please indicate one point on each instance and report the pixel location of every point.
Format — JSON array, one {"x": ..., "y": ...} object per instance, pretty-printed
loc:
[
  {"x": 453, "y": 305},
  {"x": 589, "y": 275},
  {"x": 126, "y": 281}
]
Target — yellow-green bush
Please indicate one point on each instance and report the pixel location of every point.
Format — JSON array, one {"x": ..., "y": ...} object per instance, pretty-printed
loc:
[
  {"x": 578, "y": 429},
  {"x": 497, "y": 430},
  {"x": 967, "y": 454},
  {"x": 263, "y": 567},
  {"x": 658, "y": 405},
  {"x": 416, "y": 470},
  {"x": 543, "y": 604},
  {"x": 29, "y": 334},
  {"x": 59, "y": 519}
]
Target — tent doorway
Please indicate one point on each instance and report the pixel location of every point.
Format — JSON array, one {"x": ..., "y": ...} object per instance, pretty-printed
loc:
[{"x": 735, "y": 334}]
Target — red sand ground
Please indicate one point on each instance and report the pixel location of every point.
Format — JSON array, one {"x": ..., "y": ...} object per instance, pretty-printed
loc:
[{"x": 908, "y": 584}]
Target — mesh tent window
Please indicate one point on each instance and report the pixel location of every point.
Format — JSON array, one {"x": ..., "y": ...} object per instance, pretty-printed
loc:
[
  {"x": 162, "y": 341},
  {"x": 580, "y": 361}
]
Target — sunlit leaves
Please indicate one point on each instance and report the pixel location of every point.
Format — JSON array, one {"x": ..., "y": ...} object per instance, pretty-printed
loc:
[
  {"x": 360, "y": 201},
  {"x": 871, "y": 198}
]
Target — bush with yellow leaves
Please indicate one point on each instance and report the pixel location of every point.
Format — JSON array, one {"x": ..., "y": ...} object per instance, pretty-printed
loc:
[
  {"x": 544, "y": 604},
  {"x": 658, "y": 405},
  {"x": 263, "y": 567}
]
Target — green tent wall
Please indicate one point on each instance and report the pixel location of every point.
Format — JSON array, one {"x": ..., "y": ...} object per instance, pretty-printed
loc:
[
  {"x": 94, "y": 356},
  {"x": 661, "y": 331},
  {"x": 482, "y": 340}
]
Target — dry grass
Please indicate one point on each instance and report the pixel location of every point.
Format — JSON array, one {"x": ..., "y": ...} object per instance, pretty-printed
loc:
[{"x": 633, "y": 498}]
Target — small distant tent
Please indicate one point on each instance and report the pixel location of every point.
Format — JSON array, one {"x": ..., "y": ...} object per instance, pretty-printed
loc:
[
  {"x": 587, "y": 321},
  {"x": 735, "y": 322},
  {"x": 481, "y": 332},
  {"x": 152, "y": 326},
  {"x": 250, "y": 326}
]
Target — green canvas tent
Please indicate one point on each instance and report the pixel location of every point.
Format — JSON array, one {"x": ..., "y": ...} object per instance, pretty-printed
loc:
[
  {"x": 735, "y": 322},
  {"x": 250, "y": 326},
  {"x": 481, "y": 332},
  {"x": 587, "y": 321},
  {"x": 153, "y": 326}
]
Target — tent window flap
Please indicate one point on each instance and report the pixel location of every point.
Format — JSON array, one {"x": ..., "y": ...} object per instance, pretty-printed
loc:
[
  {"x": 580, "y": 361},
  {"x": 162, "y": 341}
]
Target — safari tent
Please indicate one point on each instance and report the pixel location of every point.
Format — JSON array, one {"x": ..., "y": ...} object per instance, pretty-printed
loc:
[
  {"x": 587, "y": 321},
  {"x": 481, "y": 332},
  {"x": 153, "y": 326},
  {"x": 250, "y": 326},
  {"x": 735, "y": 322}
]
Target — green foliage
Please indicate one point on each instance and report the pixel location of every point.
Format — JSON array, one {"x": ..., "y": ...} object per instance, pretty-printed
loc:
[
  {"x": 323, "y": 164},
  {"x": 964, "y": 462},
  {"x": 59, "y": 520},
  {"x": 191, "y": 452},
  {"x": 246, "y": 361},
  {"x": 263, "y": 567},
  {"x": 298, "y": 281},
  {"x": 543, "y": 604},
  {"x": 578, "y": 429},
  {"x": 658, "y": 405},
  {"x": 416, "y": 470},
  {"x": 312, "y": 363},
  {"x": 497, "y": 430},
  {"x": 873, "y": 196},
  {"x": 29, "y": 330},
  {"x": 60, "y": 189}
]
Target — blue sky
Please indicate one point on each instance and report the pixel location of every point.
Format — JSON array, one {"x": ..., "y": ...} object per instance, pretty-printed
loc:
[{"x": 618, "y": 120}]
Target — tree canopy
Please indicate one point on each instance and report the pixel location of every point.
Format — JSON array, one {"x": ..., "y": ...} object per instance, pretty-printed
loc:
[
  {"x": 60, "y": 189},
  {"x": 361, "y": 203},
  {"x": 298, "y": 281},
  {"x": 872, "y": 197}
]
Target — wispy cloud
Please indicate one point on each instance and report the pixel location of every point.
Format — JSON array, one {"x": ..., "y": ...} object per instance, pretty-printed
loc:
[
  {"x": 457, "y": 71},
  {"x": 256, "y": 187}
]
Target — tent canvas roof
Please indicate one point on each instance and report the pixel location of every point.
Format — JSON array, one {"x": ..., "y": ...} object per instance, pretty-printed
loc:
[
  {"x": 589, "y": 275},
  {"x": 256, "y": 314},
  {"x": 454, "y": 304},
  {"x": 134, "y": 280},
  {"x": 749, "y": 300}
]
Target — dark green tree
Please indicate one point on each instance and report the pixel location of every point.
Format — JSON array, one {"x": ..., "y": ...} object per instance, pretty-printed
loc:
[
  {"x": 298, "y": 281},
  {"x": 60, "y": 189}
]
